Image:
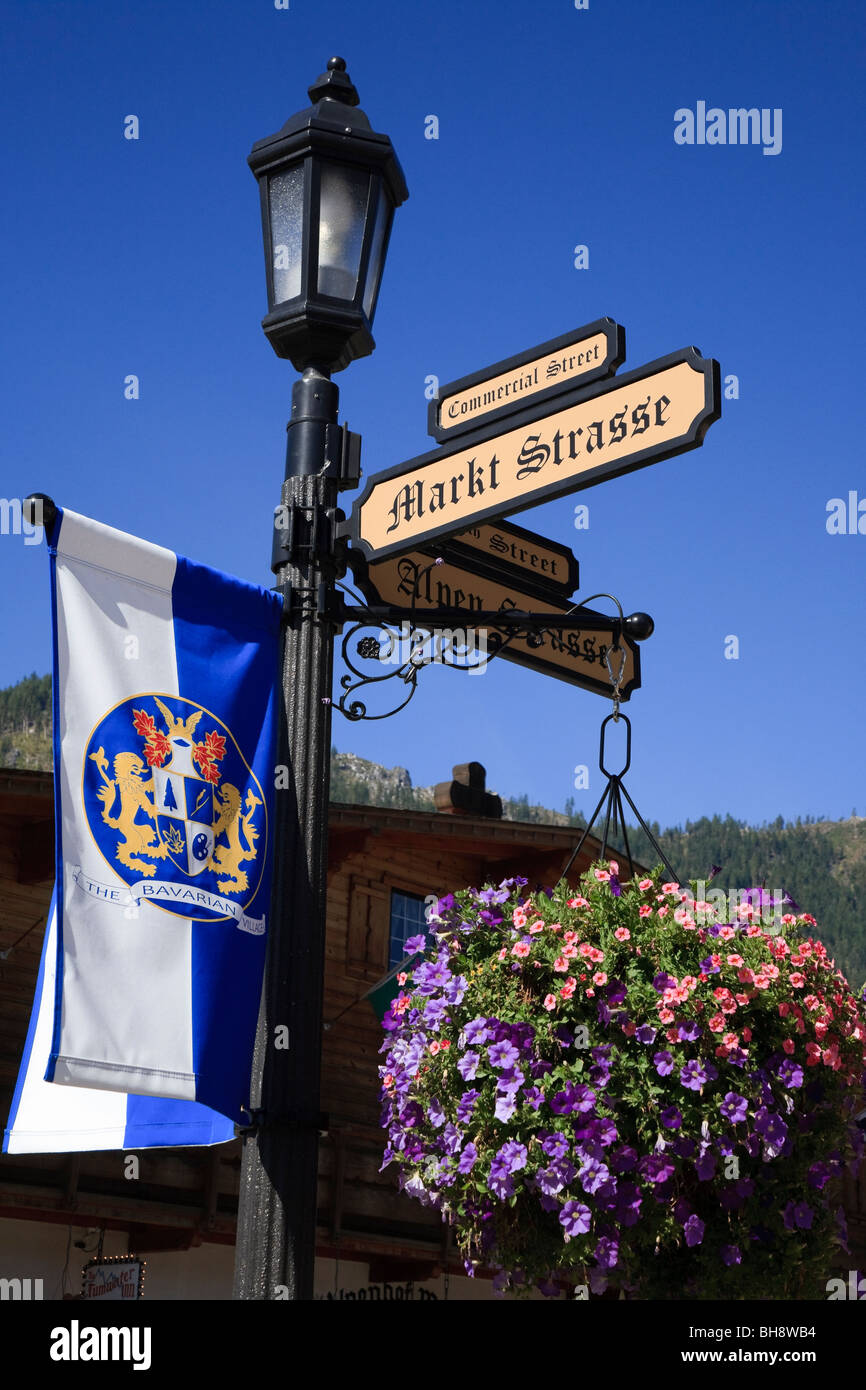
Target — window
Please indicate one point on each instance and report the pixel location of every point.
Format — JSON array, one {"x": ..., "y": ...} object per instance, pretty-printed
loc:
[{"x": 408, "y": 918}]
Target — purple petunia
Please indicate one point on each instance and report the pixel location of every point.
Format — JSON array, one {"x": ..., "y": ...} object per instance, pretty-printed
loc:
[
  {"x": 574, "y": 1098},
  {"x": 415, "y": 944},
  {"x": 663, "y": 981},
  {"x": 436, "y": 1113},
  {"x": 466, "y": 1105},
  {"x": 693, "y": 1075},
  {"x": 502, "y": 1054},
  {"x": 734, "y": 1107},
  {"x": 533, "y": 1096},
  {"x": 505, "y": 1105},
  {"x": 513, "y": 1155},
  {"x": 607, "y": 1252},
  {"x": 468, "y": 1158},
  {"x": 693, "y": 1230},
  {"x": 575, "y": 1218},
  {"x": 689, "y": 1032},
  {"x": 645, "y": 1034},
  {"x": 477, "y": 1032},
  {"x": 592, "y": 1175},
  {"x": 663, "y": 1062},
  {"x": 672, "y": 1117},
  {"x": 772, "y": 1129},
  {"x": 467, "y": 1065},
  {"x": 731, "y": 1255},
  {"x": 790, "y": 1073},
  {"x": 556, "y": 1145},
  {"x": 656, "y": 1167}
]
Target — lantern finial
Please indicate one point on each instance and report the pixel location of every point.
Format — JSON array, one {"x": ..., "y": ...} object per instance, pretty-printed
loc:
[{"x": 335, "y": 84}]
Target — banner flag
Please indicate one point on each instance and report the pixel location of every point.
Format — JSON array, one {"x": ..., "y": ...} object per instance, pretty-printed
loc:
[{"x": 165, "y": 696}]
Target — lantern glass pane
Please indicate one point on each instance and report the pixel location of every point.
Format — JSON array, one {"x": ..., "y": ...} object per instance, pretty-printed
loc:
[
  {"x": 286, "y": 202},
  {"x": 342, "y": 219},
  {"x": 374, "y": 266}
]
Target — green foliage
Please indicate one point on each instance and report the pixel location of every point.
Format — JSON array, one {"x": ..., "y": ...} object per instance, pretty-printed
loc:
[{"x": 26, "y": 707}]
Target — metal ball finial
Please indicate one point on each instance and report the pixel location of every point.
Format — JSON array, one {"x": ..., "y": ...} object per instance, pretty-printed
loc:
[{"x": 336, "y": 65}]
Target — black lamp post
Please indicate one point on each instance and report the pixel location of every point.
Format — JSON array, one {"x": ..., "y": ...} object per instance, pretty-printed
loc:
[{"x": 329, "y": 185}]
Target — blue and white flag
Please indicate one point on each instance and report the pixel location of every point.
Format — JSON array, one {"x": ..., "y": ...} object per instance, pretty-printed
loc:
[{"x": 165, "y": 696}]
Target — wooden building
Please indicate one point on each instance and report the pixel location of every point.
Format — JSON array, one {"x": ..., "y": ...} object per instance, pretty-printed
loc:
[{"x": 178, "y": 1207}]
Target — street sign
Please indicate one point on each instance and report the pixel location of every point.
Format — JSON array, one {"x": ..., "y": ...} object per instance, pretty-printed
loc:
[
  {"x": 507, "y": 551},
  {"x": 538, "y": 374},
  {"x": 567, "y": 653},
  {"x": 605, "y": 430}
]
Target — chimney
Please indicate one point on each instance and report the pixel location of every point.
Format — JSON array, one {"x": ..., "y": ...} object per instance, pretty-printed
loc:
[{"x": 466, "y": 794}]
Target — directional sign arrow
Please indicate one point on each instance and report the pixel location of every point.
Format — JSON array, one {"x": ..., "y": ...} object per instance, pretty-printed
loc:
[
  {"x": 570, "y": 652},
  {"x": 604, "y": 430}
]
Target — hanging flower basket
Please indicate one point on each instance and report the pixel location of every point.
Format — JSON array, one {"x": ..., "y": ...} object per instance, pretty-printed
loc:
[{"x": 614, "y": 1086}]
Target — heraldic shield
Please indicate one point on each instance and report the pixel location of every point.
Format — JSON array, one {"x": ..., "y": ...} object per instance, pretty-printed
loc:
[{"x": 174, "y": 806}]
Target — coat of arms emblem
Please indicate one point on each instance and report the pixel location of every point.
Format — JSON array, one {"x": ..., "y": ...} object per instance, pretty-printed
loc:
[{"x": 174, "y": 807}]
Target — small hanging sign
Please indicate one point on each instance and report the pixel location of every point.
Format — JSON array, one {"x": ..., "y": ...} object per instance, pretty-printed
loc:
[{"x": 114, "y": 1277}]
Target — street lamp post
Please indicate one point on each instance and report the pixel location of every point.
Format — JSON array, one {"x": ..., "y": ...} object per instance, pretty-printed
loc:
[{"x": 329, "y": 186}]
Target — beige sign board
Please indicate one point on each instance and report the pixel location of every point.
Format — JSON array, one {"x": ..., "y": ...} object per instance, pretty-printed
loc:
[
  {"x": 517, "y": 386},
  {"x": 539, "y": 559},
  {"x": 624, "y": 424},
  {"x": 568, "y": 653}
]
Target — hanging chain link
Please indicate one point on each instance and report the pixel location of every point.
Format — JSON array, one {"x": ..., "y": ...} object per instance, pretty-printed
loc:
[{"x": 615, "y": 680}]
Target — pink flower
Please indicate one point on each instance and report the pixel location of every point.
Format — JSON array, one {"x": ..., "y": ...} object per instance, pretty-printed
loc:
[
  {"x": 754, "y": 930},
  {"x": 599, "y": 978},
  {"x": 602, "y": 875},
  {"x": 561, "y": 965},
  {"x": 788, "y": 1046},
  {"x": 670, "y": 888},
  {"x": 590, "y": 994},
  {"x": 402, "y": 978},
  {"x": 731, "y": 1040},
  {"x": 796, "y": 979},
  {"x": 518, "y": 917},
  {"x": 567, "y": 990},
  {"x": 717, "y": 1023},
  {"x": 503, "y": 953},
  {"x": 746, "y": 976},
  {"x": 747, "y": 1034},
  {"x": 578, "y": 902},
  {"x": 570, "y": 952},
  {"x": 735, "y": 959},
  {"x": 536, "y": 928},
  {"x": 666, "y": 1016},
  {"x": 726, "y": 933},
  {"x": 762, "y": 981},
  {"x": 584, "y": 948},
  {"x": 549, "y": 1002},
  {"x": 688, "y": 982},
  {"x": 645, "y": 884},
  {"x": 645, "y": 910},
  {"x": 629, "y": 1028},
  {"x": 821, "y": 1030},
  {"x": 663, "y": 911},
  {"x": 614, "y": 867},
  {"x": 595, "y": 954},
  {"x": 554, "y": 926},
  {"x": 433, "y": 1049},
  {"x": 623, "y": 933},
  {"x": 520, "y": 948}
]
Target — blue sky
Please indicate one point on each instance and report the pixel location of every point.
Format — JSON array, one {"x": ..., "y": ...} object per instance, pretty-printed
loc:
[{"x": 556, "y": 128}]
